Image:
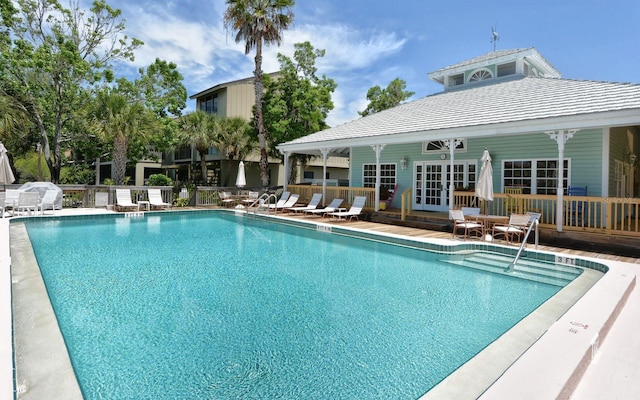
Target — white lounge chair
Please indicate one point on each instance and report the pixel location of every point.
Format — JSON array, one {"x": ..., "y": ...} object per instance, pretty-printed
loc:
[
  {"x": 332, "y": 207},
  {"x": 353, "y": 212},
  {"x": 155, "y": 199},
  {"x": 460, "y": 222},
  {"x": 313, "y": 204},
  {"x": 291, "y": 201},
  {"x": 280, "y": 203},
  {"x": 48, "y": 201},
  {"x": 28, "y": 203},
  {"x": 123, "y": 200},
  {"x": 10, "y": 201}
]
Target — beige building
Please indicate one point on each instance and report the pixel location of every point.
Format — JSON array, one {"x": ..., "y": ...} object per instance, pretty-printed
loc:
[{"x": 236, "y": 99}]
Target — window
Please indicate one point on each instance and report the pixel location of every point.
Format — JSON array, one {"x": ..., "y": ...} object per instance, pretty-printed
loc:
[
  {"x": 439, "y": 146},
  {"x": 480, "y": 75},
  {"x": 308, "y": 174},
  {"x": 534, "y": 176},
  {"x": 507, "y": 69},
  {"x": 387, "y": 175},
  {"x": 456, "y": 80},
  {"x": 209, "y": 104}
]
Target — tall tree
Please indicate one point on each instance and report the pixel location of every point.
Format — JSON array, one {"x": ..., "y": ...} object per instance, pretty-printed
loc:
[
  {"x": 382, "y": 99},
  {"x": 297, "y": 102},
  {"x": 199, "y": 129},
  {"x": 118, "y": 120},
  {"x": 258, "y": 22},
  {"x": 234, "y": 139},
  {"x": 50, "y": 54}
]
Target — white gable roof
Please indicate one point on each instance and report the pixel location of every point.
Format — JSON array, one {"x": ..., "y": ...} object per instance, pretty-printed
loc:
[{"x": 518, "y": 106}]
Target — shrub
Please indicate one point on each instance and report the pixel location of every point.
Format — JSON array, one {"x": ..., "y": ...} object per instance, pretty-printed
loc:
[{"x": 160, "y": 180}]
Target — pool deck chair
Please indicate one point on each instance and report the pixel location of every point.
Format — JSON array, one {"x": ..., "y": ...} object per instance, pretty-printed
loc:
[
  {"x": 155, "y": 199},
  {"x": 354, "y": 211},
  {"x": 28, "y": 203},
  {"x": 332, "y": 207},
  {"x": 227, "y": 199},
  {"x": 290, "y": 202},
  {"x": 48, "y": 202},
  {"x": 313, "y": 204},
  {"x": 123, "y": 200},
  {"x": 469, "y": 227},
  {"x": 515, "y": 229}
]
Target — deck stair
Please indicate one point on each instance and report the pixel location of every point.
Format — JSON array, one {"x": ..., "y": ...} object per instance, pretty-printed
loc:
[{"x": 534, "y": 270}]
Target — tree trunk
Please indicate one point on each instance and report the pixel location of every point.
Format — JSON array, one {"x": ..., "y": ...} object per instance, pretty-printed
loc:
[
  {"x": 262, "y": 134},
  {"x": 203, "y": 166},
  {"x": 119, "y": 159}
]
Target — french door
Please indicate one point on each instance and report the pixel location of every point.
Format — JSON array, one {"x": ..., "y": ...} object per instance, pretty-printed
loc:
[{"x": 431, "y": 183}]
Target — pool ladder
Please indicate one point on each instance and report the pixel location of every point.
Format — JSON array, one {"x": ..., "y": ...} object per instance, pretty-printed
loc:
[
  {"x": 263, "y": 202},
  {"x": 534, "y": 222}
]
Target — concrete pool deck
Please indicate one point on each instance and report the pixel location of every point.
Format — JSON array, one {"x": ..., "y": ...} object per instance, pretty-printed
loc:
[{"x": 546, "y": 367}]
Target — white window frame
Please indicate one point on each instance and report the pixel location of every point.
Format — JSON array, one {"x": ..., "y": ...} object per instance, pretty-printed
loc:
[
  {"x": 442, "y": 148},
  {"x": 534, "y": 173},
  {"x": 386, "y": 180}
]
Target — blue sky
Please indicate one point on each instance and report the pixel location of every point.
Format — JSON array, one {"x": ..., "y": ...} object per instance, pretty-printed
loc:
[{"x": 371, "y": 42}]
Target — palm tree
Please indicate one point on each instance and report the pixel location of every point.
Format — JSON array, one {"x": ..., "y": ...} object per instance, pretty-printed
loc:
[
  {"x": 13, "y": 117},
  {"x": 200, "y": 129},
  {"x": 257, "y": 22},
  {"x": 116, "y": 119},
  {"x": 234, "y": 140}
]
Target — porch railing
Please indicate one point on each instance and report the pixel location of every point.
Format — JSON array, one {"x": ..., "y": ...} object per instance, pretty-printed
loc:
[{"x": 609, "y": 215}]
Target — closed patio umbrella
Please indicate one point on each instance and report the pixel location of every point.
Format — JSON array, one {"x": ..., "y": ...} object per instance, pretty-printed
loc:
[
  {"x": 241, "y": 180},
  {"x": 6, "y": 175},
  {"x": 484, "y": 189}
]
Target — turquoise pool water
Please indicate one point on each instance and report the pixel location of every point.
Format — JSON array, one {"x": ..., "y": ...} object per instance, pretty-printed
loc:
[{"x": 211, "y": 305}]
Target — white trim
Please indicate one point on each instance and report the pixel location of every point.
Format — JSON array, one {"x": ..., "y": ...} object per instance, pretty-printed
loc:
[
  {"x": 606, "y": 138},
  {"x": 594, "y": 121}
]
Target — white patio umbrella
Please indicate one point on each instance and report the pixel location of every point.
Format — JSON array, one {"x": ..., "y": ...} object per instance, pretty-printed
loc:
[
  {"x": 6, "y": 175},
  {"x": 241, "y": 180},
  {"x": 484, "y": 188}
]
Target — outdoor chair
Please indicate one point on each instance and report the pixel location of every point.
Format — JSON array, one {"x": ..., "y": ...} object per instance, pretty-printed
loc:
[
  {"x": 227, "y": 198},
  {"x": 353, "y": 212},
  {"x": 313, "y": 204},
  {"x": 290, "y": 202},
  {"x": 252, "y": 198},
  {"x": 28, "y": 203},
  {"x": 332, "y": 207},
  {"x": 155, "y": 199},
  {"x": 48, "y": 201},
  {"x": 514, "y": 229},
  {"x": 102, "y": 199},
  {"x": 468, "y": 227},
  {"x": 123, "y": 200}
]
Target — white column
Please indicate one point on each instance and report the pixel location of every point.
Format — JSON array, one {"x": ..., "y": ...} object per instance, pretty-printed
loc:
[
  {"x": 451, "y": 144},
  {"x": 286, "y": 170},
  {"x": 561, "y": 138},
  {"x": 325, "y": 154},
  {"x": 378, "y": 149}
]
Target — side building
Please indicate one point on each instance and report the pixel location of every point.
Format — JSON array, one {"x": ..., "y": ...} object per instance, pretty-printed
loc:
[{"x": 236, "y": 99}]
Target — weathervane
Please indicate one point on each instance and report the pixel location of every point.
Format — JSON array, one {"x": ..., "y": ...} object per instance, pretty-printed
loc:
[{"x": 494, "y": 37}]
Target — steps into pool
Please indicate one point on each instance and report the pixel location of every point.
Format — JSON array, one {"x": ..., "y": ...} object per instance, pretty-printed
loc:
[{"x": 534, "y": 270}]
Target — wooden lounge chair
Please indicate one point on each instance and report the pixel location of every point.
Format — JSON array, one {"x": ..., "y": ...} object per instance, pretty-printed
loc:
[
  {"x": 313, "y": 204},
  {"x": 155, "y": 199},
  {"x": 332, "y": 207},
  {"x": 468, "y": 226},
  {"x": 353, "y": 212},
  {"x": 123, "y": 200}
]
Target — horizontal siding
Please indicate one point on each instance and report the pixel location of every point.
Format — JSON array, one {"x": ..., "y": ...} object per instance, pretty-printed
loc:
[{"x": 584, "y": 150}]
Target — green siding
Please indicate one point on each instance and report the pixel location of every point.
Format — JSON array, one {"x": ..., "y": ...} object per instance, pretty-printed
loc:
[{"x": 584, "y": 150}]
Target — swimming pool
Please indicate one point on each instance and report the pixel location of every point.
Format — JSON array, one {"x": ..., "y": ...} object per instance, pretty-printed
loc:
[{"x": 215, "y": 305}]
